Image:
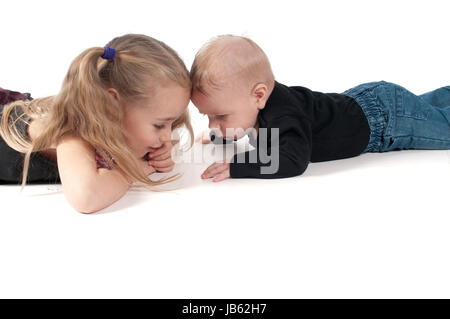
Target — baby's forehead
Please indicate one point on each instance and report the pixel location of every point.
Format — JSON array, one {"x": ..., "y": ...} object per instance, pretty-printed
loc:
[{"x": 215, "y": 101}]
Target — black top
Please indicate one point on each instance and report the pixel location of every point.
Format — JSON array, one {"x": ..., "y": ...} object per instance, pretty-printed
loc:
[
  {"x": 313, "y": 127},
  {"x": 41, "y": 170}
]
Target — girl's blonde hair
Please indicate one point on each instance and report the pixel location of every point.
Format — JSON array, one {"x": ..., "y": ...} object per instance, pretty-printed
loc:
[{"x": 85, "y": 108}]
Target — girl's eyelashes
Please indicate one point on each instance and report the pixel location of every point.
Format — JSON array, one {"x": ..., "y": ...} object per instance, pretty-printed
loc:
[{"x": 159, "y": 127}]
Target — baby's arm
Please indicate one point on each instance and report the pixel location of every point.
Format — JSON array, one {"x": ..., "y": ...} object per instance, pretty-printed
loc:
[
  {"x": 294, "y": 152},
  {"x": 87, "y": 188}
]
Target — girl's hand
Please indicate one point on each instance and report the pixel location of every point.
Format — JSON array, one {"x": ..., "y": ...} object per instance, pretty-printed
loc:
[
  {"x": 161, "y": 159},
  {"x": 221, "y": 170},
  {"x": 147, "y": 167}
]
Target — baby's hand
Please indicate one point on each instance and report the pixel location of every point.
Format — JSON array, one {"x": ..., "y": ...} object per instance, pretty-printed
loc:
[
  {"x": 161, "y": 159},
  {"x": 203, "y": 137},
  {"x": 221, "y": 170}
]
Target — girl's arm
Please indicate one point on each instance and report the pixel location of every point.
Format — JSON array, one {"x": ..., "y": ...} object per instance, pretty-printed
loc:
[{"x": 87, "y": 188}]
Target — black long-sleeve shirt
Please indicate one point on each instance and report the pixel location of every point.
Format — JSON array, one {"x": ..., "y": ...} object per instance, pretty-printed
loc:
[{"x": 313, "y": 127}]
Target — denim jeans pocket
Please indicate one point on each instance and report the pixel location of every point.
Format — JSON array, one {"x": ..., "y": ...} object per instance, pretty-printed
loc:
[{"x": 409, "y": 105}]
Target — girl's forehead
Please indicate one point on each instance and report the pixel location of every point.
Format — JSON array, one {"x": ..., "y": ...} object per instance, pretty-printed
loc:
[
  {"x": 165, "y": 109},
  {"x": 168, "y": 95}
]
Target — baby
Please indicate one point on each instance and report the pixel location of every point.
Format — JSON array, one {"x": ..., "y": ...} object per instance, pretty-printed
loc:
[{"x": 234, "y": 86}]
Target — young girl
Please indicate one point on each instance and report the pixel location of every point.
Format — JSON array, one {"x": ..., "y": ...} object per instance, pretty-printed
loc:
[{"x": 109, "y": 126}]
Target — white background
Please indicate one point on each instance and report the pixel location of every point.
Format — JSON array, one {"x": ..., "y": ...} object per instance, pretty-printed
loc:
[{"x": 376, "y": 225}]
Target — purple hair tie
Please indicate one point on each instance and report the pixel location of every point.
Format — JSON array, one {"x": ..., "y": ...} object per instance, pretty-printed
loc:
[{"x": 109, "y": 53}]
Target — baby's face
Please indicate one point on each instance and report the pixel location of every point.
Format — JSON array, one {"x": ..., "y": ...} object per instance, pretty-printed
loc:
[{"x": 231, "y": 111}]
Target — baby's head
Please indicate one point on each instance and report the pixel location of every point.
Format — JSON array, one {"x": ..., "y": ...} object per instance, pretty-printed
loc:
[{"x": 231, "y": 82}]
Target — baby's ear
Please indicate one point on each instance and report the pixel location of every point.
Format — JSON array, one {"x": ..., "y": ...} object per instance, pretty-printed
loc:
[{"x": 260, "y": 93}]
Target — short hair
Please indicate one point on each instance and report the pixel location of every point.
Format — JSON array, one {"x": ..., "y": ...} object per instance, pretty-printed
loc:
[{"x": 228, "y": 56}]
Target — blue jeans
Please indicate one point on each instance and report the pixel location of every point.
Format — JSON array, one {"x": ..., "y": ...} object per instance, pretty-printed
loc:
[{"x": 399, "y": 119}]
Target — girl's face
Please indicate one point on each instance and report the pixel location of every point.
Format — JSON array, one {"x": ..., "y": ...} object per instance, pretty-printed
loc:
[{"x": 149, "y": 122}]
